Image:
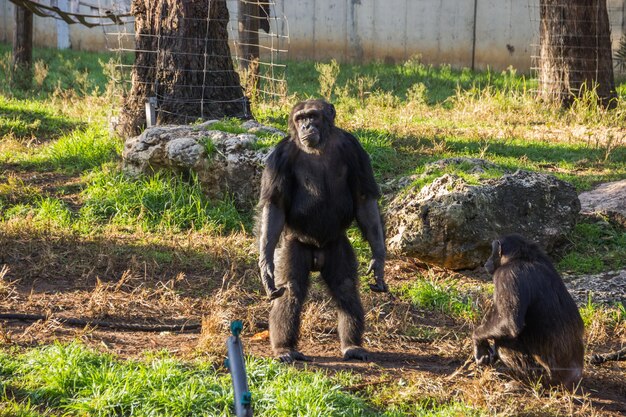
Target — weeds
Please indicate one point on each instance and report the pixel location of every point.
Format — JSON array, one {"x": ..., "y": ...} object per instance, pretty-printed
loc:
[
  {"x": 360, "y": 86},
  {"x": 6, "y": 286},
  {"x": 73, "y": 152},
  {"x": 40, "y": 73},
  {"x": 53, "y": 211},
  {"x": 417, "y": 94},
  {"x": 327, "y": 78},
  {"x": 13, "y": 190}
]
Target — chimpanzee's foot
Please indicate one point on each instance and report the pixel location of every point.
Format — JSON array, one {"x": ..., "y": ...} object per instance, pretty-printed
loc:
[
  {"x": 290, "y": 356},
  {"x": 355, "y": 352}
]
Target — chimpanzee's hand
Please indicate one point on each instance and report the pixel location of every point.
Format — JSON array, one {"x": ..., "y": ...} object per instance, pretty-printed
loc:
[
  {"x": 377, "y": 266},
  {"x": 267, "y": 277},
  {"x": 483, "y": 353}
]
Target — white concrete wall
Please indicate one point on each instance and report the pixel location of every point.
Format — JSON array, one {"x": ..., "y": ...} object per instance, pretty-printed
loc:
[
  {"x": 49, "y": 32},
  {"x": 441, "y": 31}
]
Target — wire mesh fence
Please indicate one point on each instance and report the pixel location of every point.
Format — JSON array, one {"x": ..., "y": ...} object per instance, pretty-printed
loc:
[{"x": 190, "y": 62}]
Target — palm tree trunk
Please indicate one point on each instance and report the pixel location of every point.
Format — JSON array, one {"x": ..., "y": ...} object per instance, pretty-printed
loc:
[
  {"x": 184, "y": 61},
  {"x": 575, "y": 55}
]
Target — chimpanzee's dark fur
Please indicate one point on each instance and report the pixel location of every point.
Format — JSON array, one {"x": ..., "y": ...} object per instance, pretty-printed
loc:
[
  {"x": 534, "y": 322},
  {"x": 315, "y": 184}
]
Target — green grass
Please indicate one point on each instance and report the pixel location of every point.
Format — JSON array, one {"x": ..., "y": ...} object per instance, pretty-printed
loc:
[
  {"x": 158, "y": 202},
  {"x": 53, "y": 211},
  {"x": 209, "y": 146},
  {"x": 13, "y": 190},
  {"x": 536, "y": 155},
  {"x": 464, "y": 170},
  {"x": 80, "y": 150},
  {"x": 608, "y": 315},
  {"x": 595, "y": 247},
  {"x": 380, "y": 147},
  {"x": 405, "y": 115},
  {"x": 76, "y": 151},
  {"x": 46, "y": 212},
  {"x": 73, "y": 380},
  {"x": 63, "y": 70},
  {"x": 267, "y": 140},
  {"x": 11, "y": 408},
  {"x": 229, "y": 125},
  {"x": 161, "y": 202},
  {"x": 444, "y": 297},
  {"x": 26, "y": 119},
  {"x": 440, "y": 83}
]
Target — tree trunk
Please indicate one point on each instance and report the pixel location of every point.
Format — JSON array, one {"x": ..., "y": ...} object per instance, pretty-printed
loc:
[
  {"x": 575, "y": 55},
  {"x": 182, "y": 62},
  {"x": 23, "y": 46}
]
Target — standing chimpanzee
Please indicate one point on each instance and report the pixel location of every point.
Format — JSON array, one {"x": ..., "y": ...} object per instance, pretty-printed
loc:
[
  {"x": 534, "y": 322},
  {"x": 315, "y": 183}
]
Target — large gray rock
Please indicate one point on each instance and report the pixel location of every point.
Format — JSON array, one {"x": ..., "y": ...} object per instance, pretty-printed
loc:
[
  {"x": 451, "y": 224},
  {"x": 607, "y": 199},
  {"x": 225, "y": 163}
]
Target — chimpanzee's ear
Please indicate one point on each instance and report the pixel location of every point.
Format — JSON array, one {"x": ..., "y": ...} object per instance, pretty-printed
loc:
[
  {"x": 291, "y": 123},
  {"x": 330, "y": 113}
]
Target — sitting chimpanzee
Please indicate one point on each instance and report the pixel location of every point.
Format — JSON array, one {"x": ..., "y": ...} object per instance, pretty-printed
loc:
[
  {"x": 534, "y": 322},
  {"x": 315, "y": 183}
]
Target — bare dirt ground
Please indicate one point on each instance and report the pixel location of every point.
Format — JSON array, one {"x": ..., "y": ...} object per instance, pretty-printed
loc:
[{"x": 415, "y": 354}]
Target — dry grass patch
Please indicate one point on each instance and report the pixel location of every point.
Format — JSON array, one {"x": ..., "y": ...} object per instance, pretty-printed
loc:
[
  {"x": 7, "y": 288},
  {"x": 604, "y": 333},
  {"x": 231, "y": 302}
]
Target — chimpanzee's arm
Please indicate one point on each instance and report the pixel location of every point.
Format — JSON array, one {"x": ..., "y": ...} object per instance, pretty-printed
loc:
[
  {"x": 272, "y": 224},
  {"x": 511, "y": 299},
  {"x": 370, "y": 223},
  {"x": 504, "y": 320}
]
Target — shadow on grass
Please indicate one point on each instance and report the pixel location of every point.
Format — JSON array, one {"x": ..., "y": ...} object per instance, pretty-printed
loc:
[
  {"x": 582, "y": 165},
  {"x": 81, "y": 71},
  {"x": 49, "y": 261},
  {"x": 391, "y": 361},
  {"x": 578, "y": 164},
  {"x": 440, "y": 82},
  {"x": 25, "y": 121}
]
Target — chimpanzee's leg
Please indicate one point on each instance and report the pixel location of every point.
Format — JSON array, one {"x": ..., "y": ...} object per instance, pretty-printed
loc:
[
  {"x": 551, "y": 360},
  {"x": 516, "y": 356},
  {"x": 340, "y": 274},
  {"x": 292, "y": 272}
]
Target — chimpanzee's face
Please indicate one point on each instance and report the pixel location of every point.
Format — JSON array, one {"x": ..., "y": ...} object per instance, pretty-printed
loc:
[
  {"x": 309, "y": 127},
  {"x": 494, "y": 260},
  {"x": 310, "y": 123}
]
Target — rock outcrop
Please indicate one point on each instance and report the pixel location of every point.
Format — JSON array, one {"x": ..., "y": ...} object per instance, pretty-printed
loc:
[
  {"x": 451, "y": 223},
  {"x": 225, "y": 163},
  {"x": 608, "y": 200}
]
